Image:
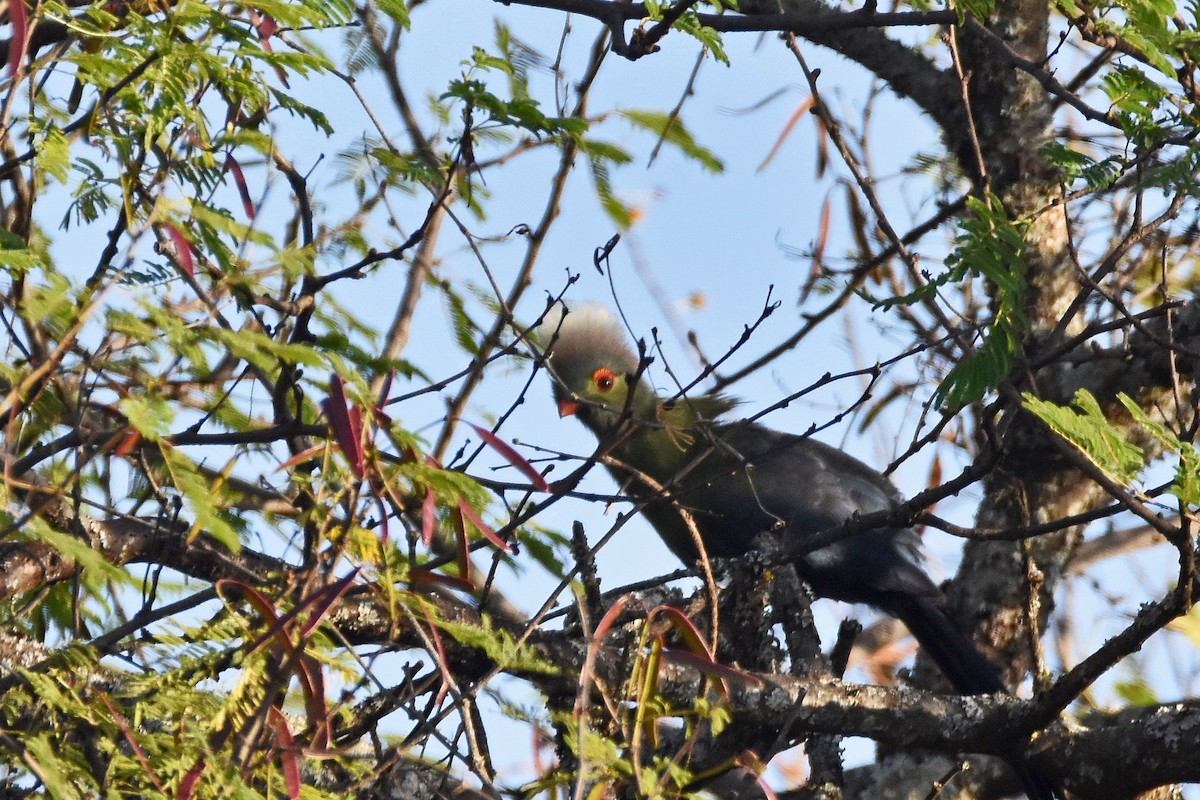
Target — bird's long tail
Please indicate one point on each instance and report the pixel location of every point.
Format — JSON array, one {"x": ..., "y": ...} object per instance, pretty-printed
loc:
[
  {"x": 966, "y": 668},
  {"x": 955, "y": 654}
]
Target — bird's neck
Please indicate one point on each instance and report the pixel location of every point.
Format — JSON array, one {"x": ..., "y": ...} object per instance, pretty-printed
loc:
[{"x": 653, "y": 436}]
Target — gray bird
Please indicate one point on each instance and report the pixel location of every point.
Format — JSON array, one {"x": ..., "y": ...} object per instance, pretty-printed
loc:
[{"x": 739, "y": 480}]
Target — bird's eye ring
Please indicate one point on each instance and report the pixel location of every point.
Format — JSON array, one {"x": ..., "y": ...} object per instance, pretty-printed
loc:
[{"x": 604, "y": 379}]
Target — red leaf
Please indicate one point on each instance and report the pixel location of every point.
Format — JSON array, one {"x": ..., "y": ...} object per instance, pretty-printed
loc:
[
  {"x": 441, "y": 659},
  {"x": 428, "y": 517},
  {"x": 610, "y": 617},
  {"x": 137, "y": 750},
  {"x": 686, "y": 628},
  {"x": 347, "y": 426},
  {"x": 183, "y": 250},
  {"x": 462, "y": 552},
  {"x": 312, "y": 681},
  {"x": 239, "y": 178},
  {"x": 267, "y": 27},
  {"x": 428, "y": 576},
  {"x": 130, "y": 439},
  {"x": 188, "y": 785},
  {"x": 512, "y": 456},
  {"x": 482, "y": 527},
  {"x": 300, "y": 458},
  {"x": 19, "y": 16},
  {"x": 710, "y": 667},
  {"x": 289, "y": 754},
  {"x": 266, "y": 609},
  {"x": 384, "y": 527},
  {"x": 356, "y": 427},
  {"x": 324, "y": 600},
  {"x": 748, "y": 760},
  {"x": 384, "y": 390}
]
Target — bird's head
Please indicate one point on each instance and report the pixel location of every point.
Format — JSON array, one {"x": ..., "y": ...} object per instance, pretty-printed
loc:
[{"x": 593, "y": 368}]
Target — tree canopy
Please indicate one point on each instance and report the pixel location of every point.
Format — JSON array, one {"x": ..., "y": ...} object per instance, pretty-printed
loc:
[{"x": 287, "y": 507}]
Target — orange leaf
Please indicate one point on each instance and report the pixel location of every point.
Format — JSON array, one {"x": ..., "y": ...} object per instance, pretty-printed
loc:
[
  {"x": 610, "y": 617},
  {"x": 300, "y": 458},
  {"x": 800, "y": 111},
  {"x": 748, "y": 760},
  {"x": 686, "y": 628},
  {"x": 130, "y": 439}
]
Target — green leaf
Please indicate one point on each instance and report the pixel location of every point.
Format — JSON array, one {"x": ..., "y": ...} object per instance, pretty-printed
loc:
[
  {"x": 150, "y": 415},
  {"x": 1086, "y": 427},
  {"x": 52, "y": 304},
  {"x": 690, "y": 24},
  {"x": 1186, "y": 485},
  {"x": 87, "y": 558},
  {"x": 396, "y": 9},
  {"x": 617, "y": 211},
  {"x": 500, "y": 646},
  {"x": 53, "y": 154},
  {"x": 1136, "y": 692},
  {"x": 605, "y": 151},
  {"x": 670, "y": 128},
  {"x": 979, "y": 9},
  {"x": 990, "y": 246},
  {"x": 197, "y": 489},
  {"x": 263, "y": 351},
  {"x": 1188, "y": 625},
  {"x": 48, "y": 756}
]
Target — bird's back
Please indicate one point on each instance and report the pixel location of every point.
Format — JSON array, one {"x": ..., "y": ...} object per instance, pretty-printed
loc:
[{"x": 745, "y": 479}]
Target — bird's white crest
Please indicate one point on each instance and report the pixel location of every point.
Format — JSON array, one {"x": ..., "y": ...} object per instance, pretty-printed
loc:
[{"x": 588, "y": 328}]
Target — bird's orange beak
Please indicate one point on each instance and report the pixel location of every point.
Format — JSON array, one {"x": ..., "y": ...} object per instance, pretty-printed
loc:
[{"x": 567, "y": 407}]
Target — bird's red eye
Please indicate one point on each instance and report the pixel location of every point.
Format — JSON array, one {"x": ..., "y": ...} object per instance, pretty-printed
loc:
[{"x": 604, "y": 379}]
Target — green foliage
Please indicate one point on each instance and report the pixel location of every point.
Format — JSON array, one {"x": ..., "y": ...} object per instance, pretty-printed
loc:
[
  {"x": 1138, "y": 102},
  {"x": 500, "y": 647},
  {"x": 1086, "y": 427},
  {"x": 1186, "y": 485},
  {"x": 989, "y": 246},
  {"x": 1089, "y": 430},
  {"x": 979, "y": 9},
  {"x": 1075, "y": 165},
  {"x": 1147, "y": 27},
  {"x": 689, "y": 23},
  {"x": 520, "y": 112},
  {"x": 670, "y": 128},
  {"x": 620, "y": 213},
  {"x": 1189, "y": 626},
  {"x": 1136, "y": 691},
  {"x": 149, "y": 415}
]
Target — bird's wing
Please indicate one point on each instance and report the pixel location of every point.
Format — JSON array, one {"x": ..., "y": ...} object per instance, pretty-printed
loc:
[{"x": 803, "y": 486}]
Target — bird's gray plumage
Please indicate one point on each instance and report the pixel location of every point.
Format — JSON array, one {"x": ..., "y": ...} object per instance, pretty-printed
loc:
[{"x": 739, "y": 480}]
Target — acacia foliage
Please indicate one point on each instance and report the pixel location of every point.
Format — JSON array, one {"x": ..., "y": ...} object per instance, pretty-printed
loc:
[{"x": 221, "y": 516}]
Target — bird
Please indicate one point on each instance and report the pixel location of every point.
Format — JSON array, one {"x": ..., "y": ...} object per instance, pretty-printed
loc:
[{"x": 737, "y": 480}]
